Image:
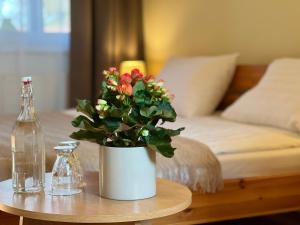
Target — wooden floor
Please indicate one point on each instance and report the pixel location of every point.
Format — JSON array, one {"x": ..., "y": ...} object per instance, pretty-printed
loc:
[{"x": 280, "y": 219}]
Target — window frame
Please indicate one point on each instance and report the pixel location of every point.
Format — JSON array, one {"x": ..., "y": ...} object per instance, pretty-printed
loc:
[{"x": 34, "y": 39}]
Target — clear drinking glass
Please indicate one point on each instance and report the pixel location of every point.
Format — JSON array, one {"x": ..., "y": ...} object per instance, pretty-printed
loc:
[
  {"x": 74, "y": 154},
  {"x": 65, "y": 175},
  {"x": 27, "y": 146}
]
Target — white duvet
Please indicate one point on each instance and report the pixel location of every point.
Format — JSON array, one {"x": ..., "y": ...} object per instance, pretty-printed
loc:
[
  {"x": 227, "y": 137},
  {"x": 242, "y": 150}
]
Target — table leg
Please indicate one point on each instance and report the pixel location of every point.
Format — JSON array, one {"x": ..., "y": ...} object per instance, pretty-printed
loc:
[{"x": 21, "y": 220}]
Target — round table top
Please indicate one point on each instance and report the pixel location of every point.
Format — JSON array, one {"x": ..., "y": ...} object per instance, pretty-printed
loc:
[{"x": 89, "y": 207}]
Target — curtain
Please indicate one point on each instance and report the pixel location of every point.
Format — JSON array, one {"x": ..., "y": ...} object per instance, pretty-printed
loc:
[{"x": 103, "y": 33}]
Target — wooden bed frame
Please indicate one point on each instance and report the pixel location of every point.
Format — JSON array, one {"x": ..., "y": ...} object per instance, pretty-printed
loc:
[
  {"x": 245, "y": 78},
  {"x": 240, "y": 198}
]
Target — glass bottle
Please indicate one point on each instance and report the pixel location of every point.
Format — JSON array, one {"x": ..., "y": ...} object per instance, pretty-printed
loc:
[
  {"x": 27, "y": 145},
  {"x": 65, "y": 176}
]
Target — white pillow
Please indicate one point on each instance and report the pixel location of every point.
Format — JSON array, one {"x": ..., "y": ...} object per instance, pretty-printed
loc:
[
  {"x": 198, "y": 83},
  {"x": 275, "y": 101}
]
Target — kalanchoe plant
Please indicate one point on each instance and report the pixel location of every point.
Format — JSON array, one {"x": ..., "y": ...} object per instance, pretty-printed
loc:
[{"x": 129, "y": 113}]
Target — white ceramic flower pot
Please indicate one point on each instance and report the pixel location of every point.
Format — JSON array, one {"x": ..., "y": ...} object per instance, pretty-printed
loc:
[{"x": 127, "y": 173}]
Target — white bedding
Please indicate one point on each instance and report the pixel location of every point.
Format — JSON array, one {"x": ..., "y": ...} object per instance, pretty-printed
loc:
[
  {"x": 227, "y": 137},
  {"x": 245, "y": 150}
]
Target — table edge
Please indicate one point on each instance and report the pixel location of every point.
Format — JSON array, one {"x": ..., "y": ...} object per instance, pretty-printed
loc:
[{"x": 101, "y": 218}]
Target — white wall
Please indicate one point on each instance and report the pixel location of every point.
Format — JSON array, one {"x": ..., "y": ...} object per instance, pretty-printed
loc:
[
  {"x": 260, "y": 30},
  {"x": 49, "y": 71}
]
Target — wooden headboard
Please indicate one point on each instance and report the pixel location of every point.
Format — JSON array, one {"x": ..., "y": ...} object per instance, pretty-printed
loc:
[{"x": 245, "y": 77}]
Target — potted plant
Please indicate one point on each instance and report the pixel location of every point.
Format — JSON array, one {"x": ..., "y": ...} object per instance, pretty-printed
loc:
[{"x": 126, "y": 123}]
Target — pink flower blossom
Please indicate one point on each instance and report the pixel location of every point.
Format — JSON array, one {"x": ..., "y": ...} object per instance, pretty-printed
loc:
[
  {"x": 125, "y": 78},
  {"x": 112, "y": 69},
  {"x": 125, "y": 88},
  {"x": 136, "y": 74}
]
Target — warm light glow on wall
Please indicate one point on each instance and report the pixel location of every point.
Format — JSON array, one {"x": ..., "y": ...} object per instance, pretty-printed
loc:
[
  {"x": 260, "y": 31},
  {"x": 127, "y": 66}
]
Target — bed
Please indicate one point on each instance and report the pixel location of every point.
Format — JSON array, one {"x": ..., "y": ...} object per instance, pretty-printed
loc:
[{"x": 261, "y": 165}]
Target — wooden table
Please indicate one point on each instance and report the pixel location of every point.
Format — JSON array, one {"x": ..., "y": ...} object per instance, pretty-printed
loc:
[{"x": 88, "y": 207}]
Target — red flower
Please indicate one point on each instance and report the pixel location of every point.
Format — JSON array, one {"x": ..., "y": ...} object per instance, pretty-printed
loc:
[
  {"x": 125, "y": 88},
  {"x": 136, "y": 74},
  {"x": 125, "y": 78}
]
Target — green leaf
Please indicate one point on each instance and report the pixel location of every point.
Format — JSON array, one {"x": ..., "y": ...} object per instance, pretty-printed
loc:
[
  {"x": 115, "y": 112},
  {"x": 139, "y": 86},
  {"x": 104, "y": 91},
  {"x": 111, "y": 124},
  {"x": 139, "y": 96},
  {"x": 131, "y": 117},
  {"x": 83, "y": 122},
  {"x": 79, "y": 120},
  {"x": 127, "y": 142},
  {"x": 86, "y": 108},
  {"x": 163, "y": 148},
  {"x": 148, "y": 111},
  {"x": 139, "y": 99},
  {"x": 167, "y": 132},
  {"x": 160, "y": 143},
  {"x": 98, "y": 137},
  {"x": 166, "y": 111}
]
